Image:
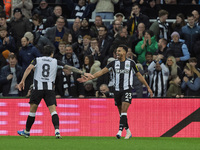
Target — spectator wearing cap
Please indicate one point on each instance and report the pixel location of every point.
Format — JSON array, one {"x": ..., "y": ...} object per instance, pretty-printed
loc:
[
  {"x": 55, "y": 34},
  {"x": 161, "y": 27},
  {"x": 105, "y": 8},
  {"x": 26, "y": 7},
  {"x": 19, "y": 25},
  {"x": 51, "y": 20},
  {"x": 148, "y": 44},
  {"x": 7, "y": 42},
  {"x": 44, "y": 10},
  {"x": 179, "y": 50},
  {"x": 37, "y": 40},
  {"x": 135, "y": 18}
]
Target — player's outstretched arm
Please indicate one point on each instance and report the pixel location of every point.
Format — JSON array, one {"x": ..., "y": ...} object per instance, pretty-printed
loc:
[
  {"x": 141, "y": 78},
  {"x": 73, "y": 69},
  {"x": 21, "y": 85}
]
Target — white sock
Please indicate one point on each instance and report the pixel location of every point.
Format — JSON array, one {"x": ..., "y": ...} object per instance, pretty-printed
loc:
[
  {"x": 26, "y": 131},
  {"x": 127, "y": 130},
  {"x": 119, "y": 132},
  {"x": 57, "y": 130}
]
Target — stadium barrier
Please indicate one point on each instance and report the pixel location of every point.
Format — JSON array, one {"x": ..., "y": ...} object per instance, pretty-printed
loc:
[{"x": 150, "y": 117}]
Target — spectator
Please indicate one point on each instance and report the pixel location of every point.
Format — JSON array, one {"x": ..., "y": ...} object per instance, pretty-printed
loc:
[
  {"x": 19, "y": 26},
  {"x": 148, "y": 44},
  {"x": 193, "y": 62},
  {"x": 85, "y": 28},
  {"x": 103, "y": 92},
  {"x": 145, "y": 65},
  {"x": 38, "y": 24},
  {"x": 7, "y": 7},
  {"x": 81, "y": 9},
  {"x": 152, "y": 9},
  {"x": 91, "y": 66},
  {"x": 26, "y": 54},
  {"x": 121, "y": 38},
  {"x": 117, "y": 25},
  {"x": 94, "y": 49},
  {"x": 52, "y": 19},
  {"x": 67, "y": 37},
  {"x": 174, "y": 89},
  {"x": 43, "y": 9},
  {"x": 37, "y": 40},
  {"x": 97, "y": 23},
  {"x": 190, "y": 33},
  {"x": 3, "y": 22},
  {"x": 158, "y": 77},
  {"x": 138, "y": 35},
  {"x": 25, "y": 5},
  {"x": 162, "y": 50},
  {"x": 191, "y": 81},
  {"x": 75, "y": 29},
  {"x": 174, "y": 69},
  {"x": 135, "y": 18},
  {"x": 89, "y": 90},
  {"x": 161, "y": 27},
  {"x": 127, "y": 7},
  {"x": 196, "y": 17},
  {"x": 103, "y": 43},
  {"x": 10, "y": 77},
  {"x": 55, "y": 34},
  {"x": 179, "y": 23},
  {"x": 6, "y": 41},
  {"x": 105, "y": 8},
  {"x": 179, "y": 50}
]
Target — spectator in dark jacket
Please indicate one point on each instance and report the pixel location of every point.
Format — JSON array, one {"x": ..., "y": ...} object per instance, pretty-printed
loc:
[
  {"x": 26, "y": 54},
  {"x": 190, "y": 33},
  {"x": 10, "y": 77},
  {"x": 19, "y": 26},
  {"x": 6, "y": 41},
  {"x": 43, "y": 9},
  {"x": 136, "y": 18}
]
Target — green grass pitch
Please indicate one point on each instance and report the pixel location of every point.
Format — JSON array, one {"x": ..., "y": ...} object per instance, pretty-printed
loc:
[{"x": 97, "y": 143}]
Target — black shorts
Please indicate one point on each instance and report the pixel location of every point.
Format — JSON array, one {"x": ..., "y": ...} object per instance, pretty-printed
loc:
[
  {"x": 122, "y": 96},
  {"x": 48, "y": 96}
]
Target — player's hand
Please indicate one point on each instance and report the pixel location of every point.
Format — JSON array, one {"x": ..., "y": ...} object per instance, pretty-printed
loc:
[
  {"x": 21, "y": 86},
  {"x": 89, "y": 76},
  {"x": 150, "y": 92},
  {"x": 82, "y": 79}
]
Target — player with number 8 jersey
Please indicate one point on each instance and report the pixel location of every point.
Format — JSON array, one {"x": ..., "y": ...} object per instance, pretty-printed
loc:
[{"x": 43, "y": 87}]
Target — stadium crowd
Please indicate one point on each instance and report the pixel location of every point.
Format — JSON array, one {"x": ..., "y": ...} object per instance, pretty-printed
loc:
[{"x": 167, "y": 54}]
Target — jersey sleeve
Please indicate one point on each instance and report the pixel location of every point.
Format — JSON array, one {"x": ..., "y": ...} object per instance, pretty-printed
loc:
[
  {"x": 134, "y": 66},
  {"x": 34, "y": 62},
  {"x": 110, "y": 65}
]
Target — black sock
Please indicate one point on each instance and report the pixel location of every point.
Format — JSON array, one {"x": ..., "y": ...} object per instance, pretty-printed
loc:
[
  {"x": 123, "y": 122},
  {"x": 55, "y": 121},
  {"x": 126, "y": 126},
  {"x": 29, "y": 123}
]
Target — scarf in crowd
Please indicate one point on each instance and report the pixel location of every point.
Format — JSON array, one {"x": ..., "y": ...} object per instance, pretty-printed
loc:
[{"x": 163, "y": 27}]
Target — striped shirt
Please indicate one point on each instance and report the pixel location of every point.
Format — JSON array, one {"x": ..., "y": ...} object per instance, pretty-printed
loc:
[
  {"x": 45, "y": 72},
  {"x": 123, "y": 73}
]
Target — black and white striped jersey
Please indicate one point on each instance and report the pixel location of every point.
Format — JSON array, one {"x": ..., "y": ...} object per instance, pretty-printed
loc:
[
  {"x": 45, "y": 72},
  {"x": 123, "y": 73}
]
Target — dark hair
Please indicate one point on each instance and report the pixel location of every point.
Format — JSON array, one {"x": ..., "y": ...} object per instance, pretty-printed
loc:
[
  {"x": 135, "y": 4},
  {"x": 48, "y": 50},
  {"x": 174, "y": 77},
  {"x": 12, "y": 56},
  {"x": 162, "y": 12},
  {"x": 38, "y": 18},
  {"x": 124, "y": 47},
  {"x": 91, "y": 60},
  {"x": 193, "y": 59},
  {"x": 148, "y": 53},
  {"x": 190, "y": 15},
  {"x": 2, "y": 14},
  {"x": 149, "y": 32},
  {"x": 103, "y": 26}
]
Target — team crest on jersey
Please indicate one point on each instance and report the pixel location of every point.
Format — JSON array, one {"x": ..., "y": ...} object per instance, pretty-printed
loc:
[{"x": 127, "y": 65}]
